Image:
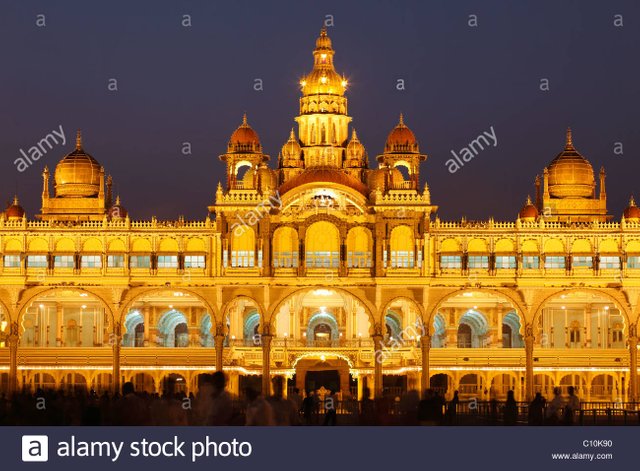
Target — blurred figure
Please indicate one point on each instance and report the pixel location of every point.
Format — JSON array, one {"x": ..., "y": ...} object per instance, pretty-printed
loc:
[
  {"x": 510, "y": 409},
  {"x": 554, "y": 408},
  {"x": 259, "y": 412},
  {"x": 452, "y": 409},
  {"x": 131, "y": 409},
  {"x": 572, "y": 405},
  {"x": 330, "y": 405},
  {"x": 367, "y": 408},
  {"x": 284, "y": 410},
  {"x": 536, "y": 410}
]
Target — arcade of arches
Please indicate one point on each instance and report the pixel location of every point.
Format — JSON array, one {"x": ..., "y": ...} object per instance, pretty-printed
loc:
[{"x": 325, "y": 338}]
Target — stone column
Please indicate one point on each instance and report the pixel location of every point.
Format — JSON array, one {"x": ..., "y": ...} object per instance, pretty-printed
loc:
[
  {"x": 633, "y": 363},
  {"x": 425, "y": 345},
  {"x": 378, "y": 360},
  {"x": 528, "y": 349},
  {"x": 266, "y": 364},
  {"x": 12, "y": 340},
  {"x": 116, "y": 346},
  {"x": 59, "y": 325},
  {"x": 146, "y": 312},
  {"x": 219, "y": 346}
]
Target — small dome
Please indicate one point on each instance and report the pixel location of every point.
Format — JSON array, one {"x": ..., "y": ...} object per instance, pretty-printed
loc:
[
  {"x": 117, "y": 211},
  {"x": 632, "y": 213},
  {"x": 397, "y": 179},
  {"x": 14, "y": 210},
  {"x": 529, "y": 212},
  {"x": 248, "y": 178},
  {"x": 355, "y": 148},
  {"x": 570, "y": 174},
  {"x": 268, "y": 178},
  {"x": 244, "y": 139},
  {"x": 401, "y": 139},
  {"x": 323, "y": 41},
  {"x": 77, "y": 174},
  {"x": 376, "y": 179},
  {"x": 291, "y": 150}
]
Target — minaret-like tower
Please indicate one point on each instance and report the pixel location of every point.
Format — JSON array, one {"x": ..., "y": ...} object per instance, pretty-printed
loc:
[{"x": 323, "y": 121}]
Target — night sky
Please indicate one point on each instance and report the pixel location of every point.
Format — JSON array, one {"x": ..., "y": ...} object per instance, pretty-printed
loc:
[{"x": 191, "y": 84}]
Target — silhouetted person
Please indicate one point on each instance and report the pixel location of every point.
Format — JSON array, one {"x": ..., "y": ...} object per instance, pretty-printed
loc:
[
  {"x": 572, "y": 405},
  {"x": 452, "y": 409},
  {"x": 510, "y": 409},
  {"x": 284, "y": 410},
  {"x": 259, "y": 411},
  {"x": 536, "y": 410},
  {"x": 554, "y": 408},
  {"x": 308, "y": 408},
  {"x": 330, "y": 413},
  {"x": 367, "y": 408}
]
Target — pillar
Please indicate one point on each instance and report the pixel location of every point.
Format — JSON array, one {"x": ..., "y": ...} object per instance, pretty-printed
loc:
[
  {"x": 633, "y": 364},
  {"x": 146, "y": 313},
  {"x": 117, "y": 341},
  {"x": 266, "y": 364},
  {"x": 425, "y": 345},
  {"x": 59, "y": 325},
  {"x": 13, "y": 339},
  {"x": 219, "y": 346},
  {"x": 378, "y": 359},
  {"x": 528, "y": 348}
]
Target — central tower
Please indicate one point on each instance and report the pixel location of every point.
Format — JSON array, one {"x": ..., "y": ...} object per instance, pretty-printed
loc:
[{"x": 323, "y": 121}]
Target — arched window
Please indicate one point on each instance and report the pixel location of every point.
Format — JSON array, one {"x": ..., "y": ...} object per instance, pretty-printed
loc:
[
  {"x": 285, "y": 248},
  {"x": 334, "y": 135},
  {"x": 173, "y": 330},
  {"x": 312, "y": 134},
  {"x": 359, "y": 248},
  {"x": 402, "y": 247},
  {"x": 323, "y": 134},
  {"x": 243, "y": 247},
  {"x": 322, "y": 244}
]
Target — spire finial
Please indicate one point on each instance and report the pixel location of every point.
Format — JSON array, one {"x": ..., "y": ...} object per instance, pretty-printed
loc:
[
  {"x": 354, "y": 136},
  {"x": 15, "y": 200},
  {"x": 79, "y": 140},
  {"x": 529, "y": 200},
  {"x": 632, "y": 202},
  {"x": 323, "y": 31},
  {"x": 569, "y": 141},
  {"x": 244, "y": 119},
  {"x": 292, "y": 136},
  {"x": 401, "y": 123},
  {"x": 118, "y": 200}
]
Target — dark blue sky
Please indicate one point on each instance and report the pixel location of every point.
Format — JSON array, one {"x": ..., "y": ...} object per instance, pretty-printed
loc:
[{"x": 179, "y": 84}]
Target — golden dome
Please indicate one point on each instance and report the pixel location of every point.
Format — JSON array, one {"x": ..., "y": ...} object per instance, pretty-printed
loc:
[
  {"x": 355, "y": 148},
  {"x": 529, "y": 212},
  {"x": 268, "y": 178},
  {"x": 632, "y": 213},
  {"x": 401, "y": 139},
  {"x": 248, "y": 178},
  {"x": 291, "y": 149},
  {"x": 376, "y": 179},
  {"x": 570, "y": 174},
  {"x": 14, "y": 210},
  {"x": 328, "y": 175},
  {"x": 323, "y": 79},
  {"x": 77, "y": 174},
  {"x": 244, "y": 139}
]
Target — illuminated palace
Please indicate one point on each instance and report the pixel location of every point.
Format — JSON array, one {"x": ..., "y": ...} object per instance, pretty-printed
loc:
[{"x": 323, "y": 271}]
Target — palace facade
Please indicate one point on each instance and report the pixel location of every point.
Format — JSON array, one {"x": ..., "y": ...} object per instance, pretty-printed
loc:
[{"x": 324, "y": 271}]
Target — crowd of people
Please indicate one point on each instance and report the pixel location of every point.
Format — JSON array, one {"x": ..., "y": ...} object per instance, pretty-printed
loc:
[{"x": 213, "y": 405}]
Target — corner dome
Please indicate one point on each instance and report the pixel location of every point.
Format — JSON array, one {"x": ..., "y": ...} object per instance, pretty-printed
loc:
[
  {"x": 529, "y": 212},
  {"x": 77, "y": 174},
  {"x": 14, "y": 210},
  {"x": 632, "y": 213},
  {"x": 244, "y": 139},
  {"x": 570, "y": 174},
  {"x": 401, "y": 139},
  {"x": 117, "y": 211}
]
